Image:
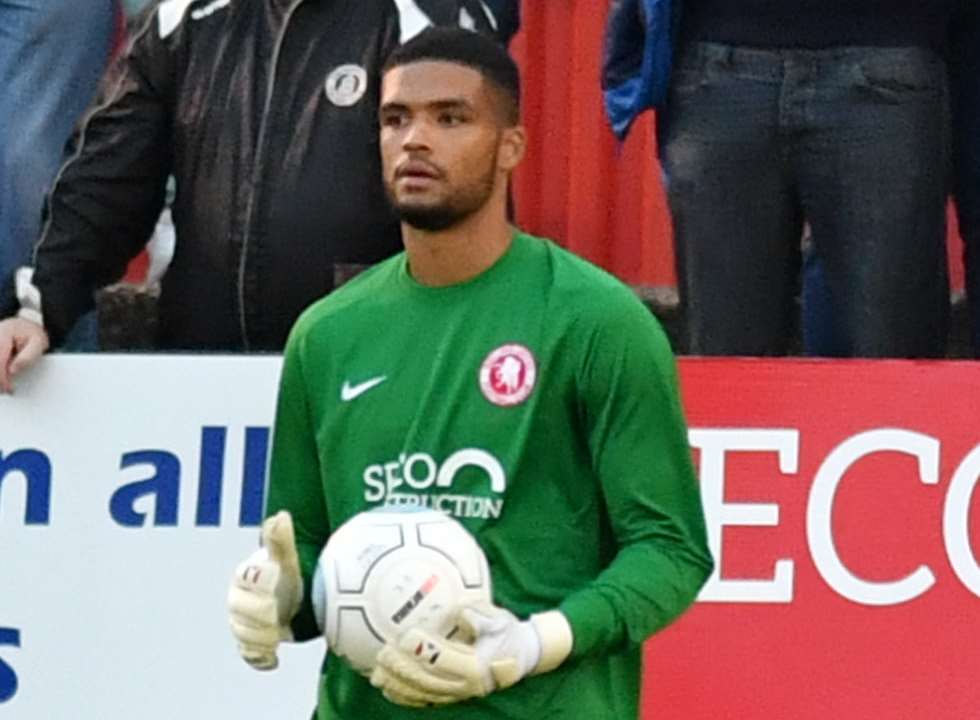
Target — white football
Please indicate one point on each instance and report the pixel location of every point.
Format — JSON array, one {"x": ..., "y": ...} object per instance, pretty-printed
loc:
[{"x": 394, "y": 568}]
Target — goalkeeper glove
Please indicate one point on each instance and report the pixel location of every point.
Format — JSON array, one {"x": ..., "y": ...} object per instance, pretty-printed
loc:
[
  {"x": 265, "y": 594},
  {"x": 423, "y": 669}
]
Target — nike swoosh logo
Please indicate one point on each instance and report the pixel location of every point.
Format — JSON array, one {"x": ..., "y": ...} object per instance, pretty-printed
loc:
[{"x": 348, "y": 392}]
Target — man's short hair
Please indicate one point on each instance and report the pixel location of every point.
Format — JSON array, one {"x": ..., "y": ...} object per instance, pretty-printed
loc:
[{"x": 472, "y": 49}]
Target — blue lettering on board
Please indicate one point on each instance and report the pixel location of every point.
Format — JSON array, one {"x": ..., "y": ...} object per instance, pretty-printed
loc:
[
  {"x": 8, "y": 678},
  {"x": 35, "y": 466},
  {"x": 164, "y": 484}
]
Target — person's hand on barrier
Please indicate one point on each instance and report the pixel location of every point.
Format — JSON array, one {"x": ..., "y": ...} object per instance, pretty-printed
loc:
[
  {"x": 22, "y": 343},
  {"x": 423, "y": 669},
  {"x": 265, "y": 594}
]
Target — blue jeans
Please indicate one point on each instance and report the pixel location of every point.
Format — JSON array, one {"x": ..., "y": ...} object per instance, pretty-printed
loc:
[
  {"x": 853, "y": 140},
  {"x": 52, "y": 54}
]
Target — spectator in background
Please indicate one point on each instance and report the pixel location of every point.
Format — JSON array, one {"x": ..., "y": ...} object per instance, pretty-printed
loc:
[
  {"x": 777, "y": 114},
  {"x": 965, "y": 84},
  {"x": 52, "y": 54},
  {"x": 266, "y": 117},
  {"x": 823, "y": 336},
  {"x": 827, "y": 112}
]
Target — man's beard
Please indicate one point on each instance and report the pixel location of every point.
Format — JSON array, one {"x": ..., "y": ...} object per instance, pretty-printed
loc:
[
  {"x": 452, "y": 210},
  {"x": 432, "y": 218}
]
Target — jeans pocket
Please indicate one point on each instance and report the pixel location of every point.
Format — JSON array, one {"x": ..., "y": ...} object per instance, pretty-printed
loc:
[
  {"x": 898, "y": 76},
  {"x": 688, "y": 80}
]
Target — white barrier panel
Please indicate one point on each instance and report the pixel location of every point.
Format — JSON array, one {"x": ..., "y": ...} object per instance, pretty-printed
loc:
[{"x": 129, "y": 489}]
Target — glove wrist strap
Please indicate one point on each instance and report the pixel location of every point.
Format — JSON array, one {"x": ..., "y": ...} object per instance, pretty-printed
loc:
[{"x": 556, "y": 638}]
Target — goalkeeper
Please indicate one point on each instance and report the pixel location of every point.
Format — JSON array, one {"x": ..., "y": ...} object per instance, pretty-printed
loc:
[{"x": 497, "y": 377}]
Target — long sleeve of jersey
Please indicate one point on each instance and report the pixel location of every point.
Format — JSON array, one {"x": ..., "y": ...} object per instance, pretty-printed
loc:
[
  {"x": 109, "y": 193},
  {"x": 295, "y": 479},
  {"x": 638, "y": 442}
]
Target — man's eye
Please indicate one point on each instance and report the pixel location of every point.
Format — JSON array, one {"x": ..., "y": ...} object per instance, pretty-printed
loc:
[
  {"x": 392, "y": 121},
  {"x": 451, "y": 119}
]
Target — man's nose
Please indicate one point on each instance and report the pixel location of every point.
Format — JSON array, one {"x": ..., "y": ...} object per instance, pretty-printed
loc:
[{"x": 417, "y": 136}]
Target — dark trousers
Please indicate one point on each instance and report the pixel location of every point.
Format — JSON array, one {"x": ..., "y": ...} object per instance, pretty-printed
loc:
[
  {"x": 854, "y": 141},
  {"x": 965, "y": 74}
]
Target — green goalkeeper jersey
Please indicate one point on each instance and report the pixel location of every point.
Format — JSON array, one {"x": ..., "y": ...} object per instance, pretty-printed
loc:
[{"x": 536, "y": 403}]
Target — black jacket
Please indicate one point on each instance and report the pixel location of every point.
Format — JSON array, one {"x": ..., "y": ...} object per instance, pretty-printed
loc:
[{"x": 265, "y": 113}]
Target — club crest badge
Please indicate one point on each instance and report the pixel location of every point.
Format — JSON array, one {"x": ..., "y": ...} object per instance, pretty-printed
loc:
[
  {"x": 508, "y": 374},
  {"x": 346, "y": 85}
]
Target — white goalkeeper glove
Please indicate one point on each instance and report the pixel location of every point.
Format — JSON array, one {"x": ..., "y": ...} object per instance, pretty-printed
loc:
[
  {"x": 265, "y": 594},
  {"x": 424, "y": 669}
]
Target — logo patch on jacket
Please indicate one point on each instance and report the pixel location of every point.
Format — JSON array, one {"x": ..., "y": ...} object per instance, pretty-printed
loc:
[{"x": 346, "y": 85}]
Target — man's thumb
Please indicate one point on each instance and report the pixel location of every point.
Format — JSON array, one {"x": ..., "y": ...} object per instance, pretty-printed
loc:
[
  {"x": 476, "y": 622},
  {"x": 28, "y": 354},
  {"x": 279, "y": 540}
]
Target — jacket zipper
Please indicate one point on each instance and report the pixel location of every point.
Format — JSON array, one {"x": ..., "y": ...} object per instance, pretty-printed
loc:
[{"x": 256, "y": 173}]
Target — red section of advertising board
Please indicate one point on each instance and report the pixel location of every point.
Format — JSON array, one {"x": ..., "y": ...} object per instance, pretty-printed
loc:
[{"x": 827, "y": 653}]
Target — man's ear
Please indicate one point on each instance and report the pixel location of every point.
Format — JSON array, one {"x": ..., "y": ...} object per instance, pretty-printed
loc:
[{"x": 513, "y": 145}]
